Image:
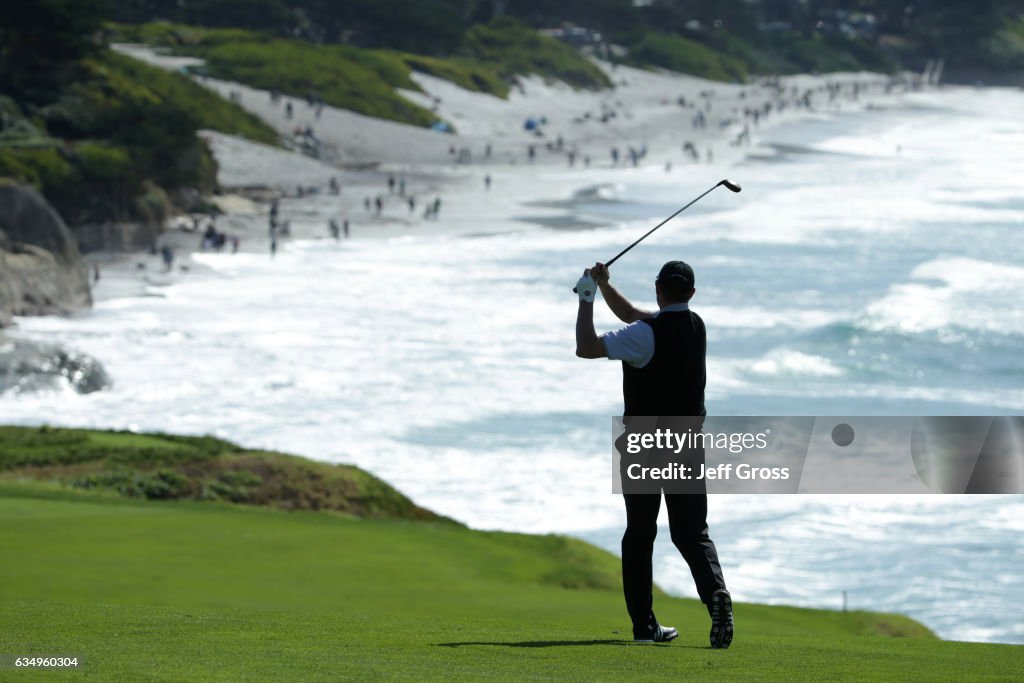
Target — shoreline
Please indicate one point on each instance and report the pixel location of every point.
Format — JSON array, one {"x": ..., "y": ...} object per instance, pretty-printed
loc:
[{"x": 523, "y": 195}]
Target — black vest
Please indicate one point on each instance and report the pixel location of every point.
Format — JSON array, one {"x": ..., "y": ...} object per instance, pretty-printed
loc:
[{"x": 672, "y": 383}]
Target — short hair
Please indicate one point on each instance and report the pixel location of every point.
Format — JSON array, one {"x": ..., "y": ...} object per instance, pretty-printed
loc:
[{"x": 676, "y": 280}]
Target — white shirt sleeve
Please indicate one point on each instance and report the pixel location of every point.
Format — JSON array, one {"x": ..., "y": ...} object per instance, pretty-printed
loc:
[{"x": 633, "y": 344}]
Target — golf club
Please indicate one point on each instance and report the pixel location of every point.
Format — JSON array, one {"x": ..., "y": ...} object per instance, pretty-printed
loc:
[{"x": 727, "y": 183}]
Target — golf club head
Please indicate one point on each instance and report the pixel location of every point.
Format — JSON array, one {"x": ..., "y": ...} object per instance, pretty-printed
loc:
[{"x": 731, "y": 185}]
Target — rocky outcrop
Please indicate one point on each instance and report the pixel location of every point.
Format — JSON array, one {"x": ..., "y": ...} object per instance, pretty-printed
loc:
[
  {"x": 41, "y": 270},
  {"x": 33, "y": 366}
]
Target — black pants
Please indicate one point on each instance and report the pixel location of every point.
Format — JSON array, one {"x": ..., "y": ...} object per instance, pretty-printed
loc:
[{"x": 687, "y": 518}]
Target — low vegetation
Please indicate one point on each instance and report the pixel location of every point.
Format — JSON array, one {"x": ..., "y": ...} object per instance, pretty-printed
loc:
[
  {"x": 727, "y": 57},
  {"x": 350, "y": 78},
  {"x": 686, "y": 56},
  {"x": 166, "y": 467},
  {"x": 463, "y": 72},
  {"x": 512, "y": 48},
  {"x": 112, "y": 139},
  {"x": 365, "y": 80},
  {"x": 976, "y": 39},
  {"x": 1005, "y": 48}
]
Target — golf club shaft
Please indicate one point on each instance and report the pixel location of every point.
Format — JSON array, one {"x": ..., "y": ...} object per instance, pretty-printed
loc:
[
  {"x": 730, "y": 185},
  {"x": 646, "y": 234}
]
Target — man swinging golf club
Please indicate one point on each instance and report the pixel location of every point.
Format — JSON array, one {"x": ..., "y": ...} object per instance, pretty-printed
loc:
[{"x": 663, "y": 365}]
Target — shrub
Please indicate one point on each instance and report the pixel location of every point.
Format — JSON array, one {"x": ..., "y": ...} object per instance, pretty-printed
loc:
[
  {"x": 1005, "y": 49},
  {"x": 131, "y": 132},
  {"x": 464, "y": 73},
  {"x": 234, "y": 485},
  {"x": 687, "y": 56},
  {"x": 162, "y": 484},
  {"x": 39, "y": 166},
  {"x": 512, "y": 48}
]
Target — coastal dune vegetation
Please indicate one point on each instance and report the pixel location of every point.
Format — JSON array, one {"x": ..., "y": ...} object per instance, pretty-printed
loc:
[
  {"x": 112, "y": 142},
  {"x": 364, "y": 80}
]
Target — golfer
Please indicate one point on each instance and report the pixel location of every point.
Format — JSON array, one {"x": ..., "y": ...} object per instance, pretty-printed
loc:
[{"x": 663, "y": 367}]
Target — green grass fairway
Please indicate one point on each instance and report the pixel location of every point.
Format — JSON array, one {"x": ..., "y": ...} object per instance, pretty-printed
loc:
[{"x": 171, "y": 591}]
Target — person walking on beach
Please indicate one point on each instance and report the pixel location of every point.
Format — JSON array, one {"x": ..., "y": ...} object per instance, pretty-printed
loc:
[
  {"x": 168, "y": 257},
  {"x": 663, "y": 365}
]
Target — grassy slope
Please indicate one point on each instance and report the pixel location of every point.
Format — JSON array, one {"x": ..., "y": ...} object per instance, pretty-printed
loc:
[
  {"x": 686, "y": 56},
  {"x": 364, "y": 80},
  {"x": 111, "y": 88},
  {"x": 209, "y": 590},
  {"x": 187, "y": 591},
  {"x": 165, "y": 467},
  {"x": 210, "y": 110},
  {"x": 730, "y": 58},
  {"x": 132, "y": 125},
  {"x": 513, "y": 48}
]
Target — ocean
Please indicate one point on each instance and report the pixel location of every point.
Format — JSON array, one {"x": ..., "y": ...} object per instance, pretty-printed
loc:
[{"x": 873, "y": 265}]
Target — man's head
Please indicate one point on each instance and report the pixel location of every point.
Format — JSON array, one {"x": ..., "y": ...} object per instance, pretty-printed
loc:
[{"x": 675, "y": 283}]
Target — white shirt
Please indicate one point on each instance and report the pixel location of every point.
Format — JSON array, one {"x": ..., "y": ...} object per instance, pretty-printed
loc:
[{"x": 634, "y": 343}]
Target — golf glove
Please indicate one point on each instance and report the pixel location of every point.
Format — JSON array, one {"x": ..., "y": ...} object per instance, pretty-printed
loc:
[{"x": 586, "y": 288}]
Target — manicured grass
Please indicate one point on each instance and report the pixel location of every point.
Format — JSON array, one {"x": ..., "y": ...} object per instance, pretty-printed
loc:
[
  {"x": 148, "y": 590},
  {"x": 200, "y": 588}
]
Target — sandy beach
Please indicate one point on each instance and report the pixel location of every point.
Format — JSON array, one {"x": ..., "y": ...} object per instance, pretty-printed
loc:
[{"x": 484, "y": 176}]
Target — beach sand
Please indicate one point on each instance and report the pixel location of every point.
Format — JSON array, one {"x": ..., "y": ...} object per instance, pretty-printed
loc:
[{"x": 647, "y": 110}]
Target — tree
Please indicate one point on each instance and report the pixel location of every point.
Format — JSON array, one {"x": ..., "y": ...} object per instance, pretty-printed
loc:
[{"x": 41, "y": 40}]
